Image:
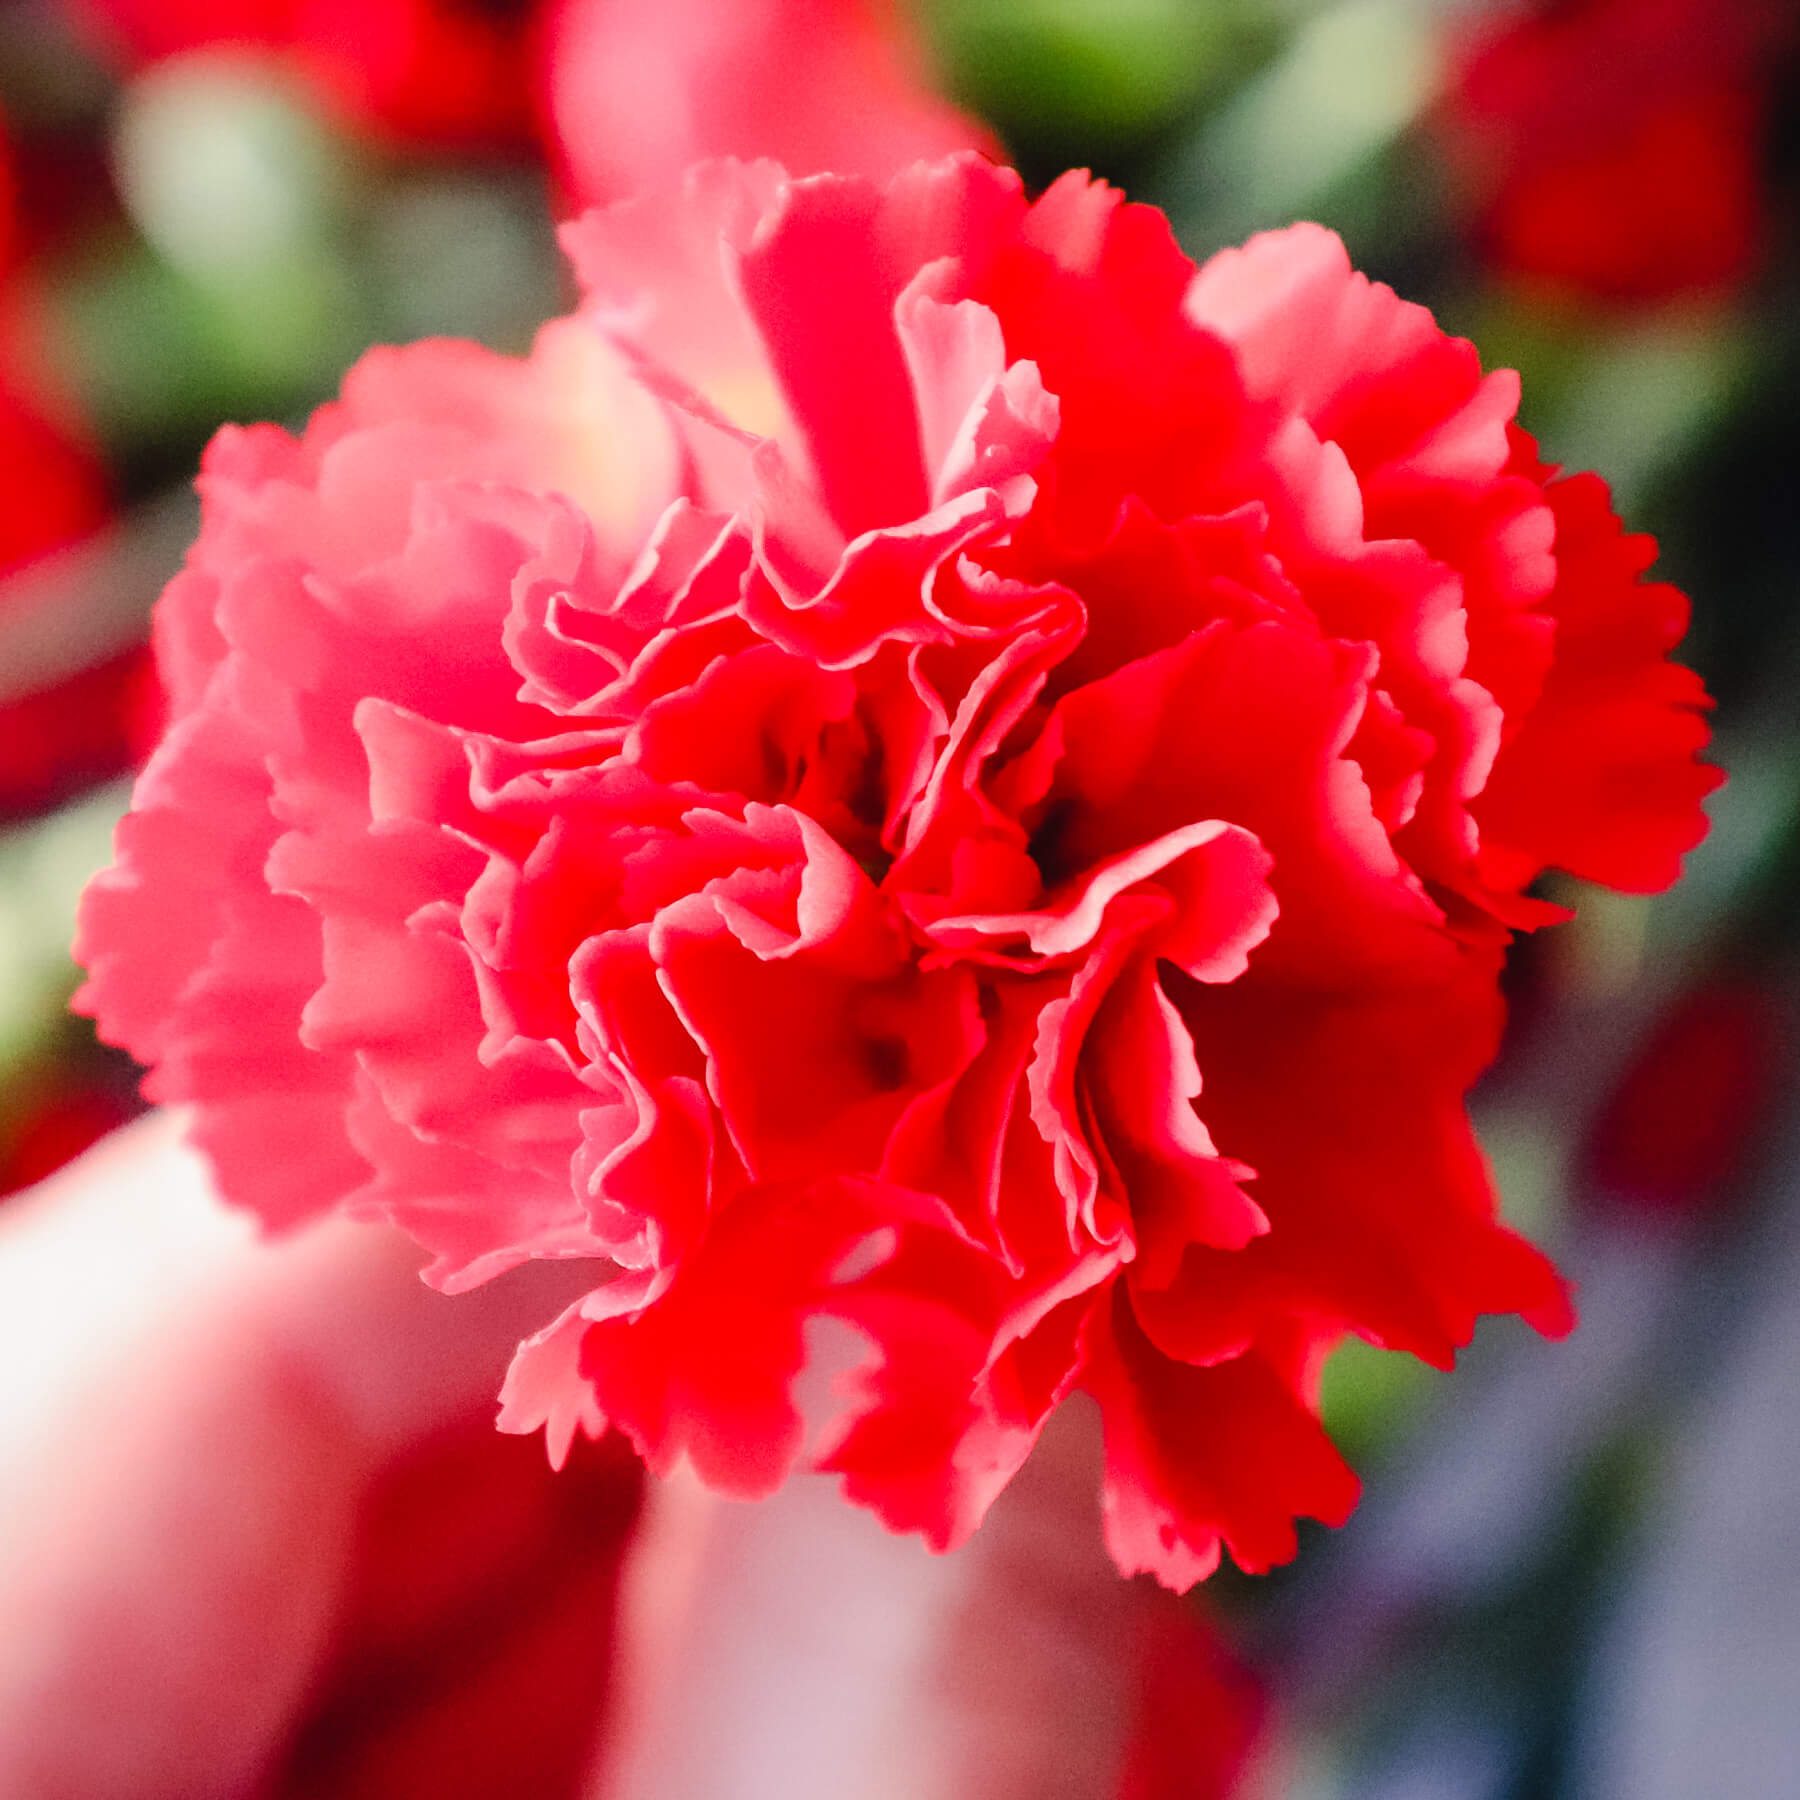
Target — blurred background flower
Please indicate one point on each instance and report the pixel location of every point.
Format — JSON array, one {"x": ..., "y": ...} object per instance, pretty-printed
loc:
[
  {"x": 1614, "y": 151},
  {"x": 1583, "y": 1576}
]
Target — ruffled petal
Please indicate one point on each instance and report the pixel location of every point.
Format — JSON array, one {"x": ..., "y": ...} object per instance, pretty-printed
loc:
[{"x": 1200, "y": 1460}]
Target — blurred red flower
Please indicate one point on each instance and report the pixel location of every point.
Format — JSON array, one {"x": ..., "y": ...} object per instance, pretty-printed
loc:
[
  {"x": 918, "y": 763},
  {"x": 58, "y": 739},
  {"x": 627, "y": 92},
  {"x": 9, "y": 199},
  {"x": 1687, "y": 1115},
  {"x": 55, "y": 488},
  {"x": 1615, "y": 147},
  {"x": 55, "y": 485},
  {"x": 54, "y": 1127},
  {"x": 477, "y": 1644},
  {"x": 637, "y": 90},
  {"x": 1202, "y": 1718},
  {"x": 452, "y": 73}
]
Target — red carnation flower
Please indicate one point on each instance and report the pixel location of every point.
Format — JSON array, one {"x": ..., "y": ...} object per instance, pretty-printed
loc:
[
  {"x": 1614, "y": 148},
  {"x": 917, "y": 763}
]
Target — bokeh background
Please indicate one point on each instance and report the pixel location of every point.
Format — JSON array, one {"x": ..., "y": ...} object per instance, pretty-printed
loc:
[{"x": 1577, "y": 1571}]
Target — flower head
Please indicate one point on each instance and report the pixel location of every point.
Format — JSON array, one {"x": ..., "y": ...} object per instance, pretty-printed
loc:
[{"x": 918, "y": 763}]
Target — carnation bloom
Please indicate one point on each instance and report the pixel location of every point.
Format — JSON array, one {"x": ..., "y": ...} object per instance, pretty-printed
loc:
[
  {"x": 918, "y": 763},
  {"x": 1615, "y": 147}
]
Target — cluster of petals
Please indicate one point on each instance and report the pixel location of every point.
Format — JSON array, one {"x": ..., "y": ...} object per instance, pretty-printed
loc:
[{"x": 923, "y": 764}]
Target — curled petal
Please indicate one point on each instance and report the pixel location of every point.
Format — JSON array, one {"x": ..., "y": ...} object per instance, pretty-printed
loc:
[
  {"x": 1605, "y": 778},
  {"x": 1212, "y": 874},
  {"x": 1200, "y": 1460}
]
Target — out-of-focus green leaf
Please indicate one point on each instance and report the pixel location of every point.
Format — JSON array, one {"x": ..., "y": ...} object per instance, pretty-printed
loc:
[
  {"x": 156, "y": 356},
  {"x": 1630, "y": 398},
  {"x": 1089, "y": 78},
  {"x": 43, "y": 868},
  {"x": 225, "y": 169},
  {"x": 1347, "y": 85},
  {"x": 450, "y": 251},
  {"x": 1368, "y": 1396}
]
